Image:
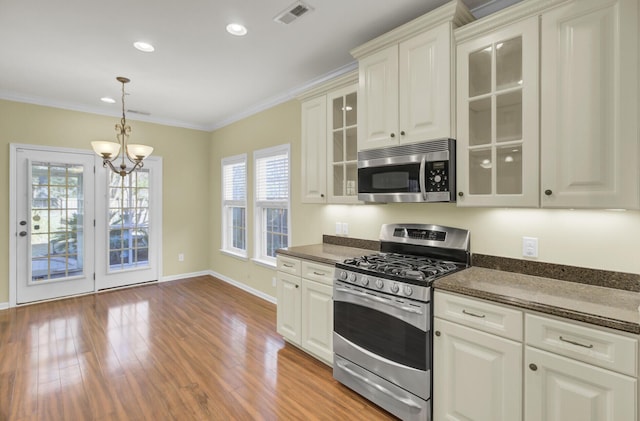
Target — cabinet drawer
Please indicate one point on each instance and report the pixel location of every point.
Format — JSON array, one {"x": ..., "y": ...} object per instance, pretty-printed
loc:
[
  {"x": 594, "y": 346},
  {"x": 479, "y": 314},
  {"x": 318, "y": 272},
  {"x": 288, "y": 265}
]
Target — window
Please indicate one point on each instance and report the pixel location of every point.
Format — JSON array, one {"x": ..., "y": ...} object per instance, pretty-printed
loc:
[
  {"x": 271, "y": 202},
  {"x": 234, "y": 205}
]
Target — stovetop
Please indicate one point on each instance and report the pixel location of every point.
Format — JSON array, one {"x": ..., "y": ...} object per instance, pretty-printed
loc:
[
  {"x": 412, "y": 256},
  {"x": 417, "y": 270}
]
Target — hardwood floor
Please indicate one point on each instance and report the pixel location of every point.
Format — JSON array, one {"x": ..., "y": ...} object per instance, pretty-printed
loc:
[{"x": 194, "y": 349}]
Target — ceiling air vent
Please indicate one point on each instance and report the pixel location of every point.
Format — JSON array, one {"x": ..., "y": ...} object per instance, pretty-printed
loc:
[{"x": 293, "y": 12}]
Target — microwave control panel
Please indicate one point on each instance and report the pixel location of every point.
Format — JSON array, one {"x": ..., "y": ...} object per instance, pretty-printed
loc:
[{"x": 438, "y": 176}]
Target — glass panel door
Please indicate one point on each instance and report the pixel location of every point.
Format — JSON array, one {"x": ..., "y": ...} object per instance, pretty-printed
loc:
[
  {"x": 343, "y": 146},
  {"x": 128, "y": 231},
  {"x": 55, "y": 214}
]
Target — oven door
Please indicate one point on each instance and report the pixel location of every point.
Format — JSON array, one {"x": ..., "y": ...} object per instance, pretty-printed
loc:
[{"x": 387, "y": 335}]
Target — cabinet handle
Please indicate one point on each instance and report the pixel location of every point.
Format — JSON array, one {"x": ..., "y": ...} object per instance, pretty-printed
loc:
[
  {"x": 393, "y": 135},
  {"x": 402, "y": 133},
  {"x": 287, "y": 265},
  {"x": 533, "y": 367},
  {"x": 575, "y": 343},
  {"x": 437, "y": 333},
  {"x": 460, "y": 194},
  {"x": 319, "y": 273},
  {"x": 548, "y": 192},
  {"x": 480, "y": 316},
  {"x": 296, "y": 286}
]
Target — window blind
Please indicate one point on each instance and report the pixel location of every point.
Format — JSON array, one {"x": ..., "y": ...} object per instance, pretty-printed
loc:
[
  {"x": 272, "y": 178},
  {"x": 235, "y": 181}
]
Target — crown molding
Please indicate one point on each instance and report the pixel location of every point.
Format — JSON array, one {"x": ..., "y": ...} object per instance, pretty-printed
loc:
[
  {"x": 509, "y": 15},
  {"x": 454, "y": 12},
  {"x": 335, "y": 83}
]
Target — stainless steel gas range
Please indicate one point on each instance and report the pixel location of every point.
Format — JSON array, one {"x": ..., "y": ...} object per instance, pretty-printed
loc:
[{"x": 382, "y": 315}]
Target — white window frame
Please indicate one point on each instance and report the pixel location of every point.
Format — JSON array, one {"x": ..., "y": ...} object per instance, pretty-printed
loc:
[
  {"x": 260, "y": 237},
  {"x": 227, "y": 205}
]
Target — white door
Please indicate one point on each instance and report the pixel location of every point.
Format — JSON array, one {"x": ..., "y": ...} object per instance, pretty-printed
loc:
[
  {"x": 289, "y": 307},
  {"x": 317, "y": 319},
  {"x": 54, "y": 234},
  {"x": 476, "y": 376},
  {"x": 128, "y": 226}
]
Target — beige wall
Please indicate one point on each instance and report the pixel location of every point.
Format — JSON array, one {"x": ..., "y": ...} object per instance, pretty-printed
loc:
[
  {"x": 595, "y": 239},
  {"x": 185, "y": 180}
]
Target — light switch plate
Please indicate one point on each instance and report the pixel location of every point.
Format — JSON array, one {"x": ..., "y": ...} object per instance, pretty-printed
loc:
[
  {"x": 345, "y": 228},
  {"x": 338, "y": 228}
]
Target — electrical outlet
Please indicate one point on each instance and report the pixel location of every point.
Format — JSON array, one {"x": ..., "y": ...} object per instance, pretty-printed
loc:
[
  {"x": 181, "y": 257},
  {"x": 273, "y": 281},
  {"x": 529, "y": 246},
  {"x": 345, "y": 228}
]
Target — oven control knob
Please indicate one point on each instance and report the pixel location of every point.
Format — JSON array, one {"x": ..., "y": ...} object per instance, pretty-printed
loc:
[
  {"x": 395, "y": 288},
  {"x": 343, "y": 275},
  {"x": 365, "y": 281},
  {"x": 352, "y": 277},
  {"x": 379, "y": 283},
  {"x": 408, "y": 291}
]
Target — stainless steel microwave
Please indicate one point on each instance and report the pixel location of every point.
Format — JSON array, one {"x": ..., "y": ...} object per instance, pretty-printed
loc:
[{"x": 419, "y": 172}]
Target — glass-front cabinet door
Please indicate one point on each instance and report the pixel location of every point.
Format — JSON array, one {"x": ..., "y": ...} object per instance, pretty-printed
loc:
[
  {"x": 498, "y": 118},
  {"x": 342, "y": 150}
]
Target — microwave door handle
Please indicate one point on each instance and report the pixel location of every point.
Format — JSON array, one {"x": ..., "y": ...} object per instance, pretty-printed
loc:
[{"x": 423, "y": 188}]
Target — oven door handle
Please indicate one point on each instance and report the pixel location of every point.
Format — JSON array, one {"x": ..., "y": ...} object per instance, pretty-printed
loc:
[
  {"x": 423, "y": 187},
  {"x": 379, "y": 300},
  {"x": 380, "y": 388}
]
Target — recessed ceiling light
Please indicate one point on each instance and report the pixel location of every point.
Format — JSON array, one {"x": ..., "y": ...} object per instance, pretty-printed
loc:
[
  {"x": 144, "y": 46},
  {"x": 236, "y": 29},
  {"x": 108, "y": 100}
]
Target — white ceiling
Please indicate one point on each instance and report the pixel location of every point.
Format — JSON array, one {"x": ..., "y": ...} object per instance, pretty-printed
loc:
[{"x": 67, "y": 53}]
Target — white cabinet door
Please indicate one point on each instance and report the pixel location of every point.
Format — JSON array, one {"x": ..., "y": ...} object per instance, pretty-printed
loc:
[
  {"x": 317, "y": 319},
  {"x": 314, "y": 150},
  {"x": 497, "y": 120},
  {"x": 589, "y": 105},
  {"x": 378, "y": 97},
  {"x": 342, "y": 145},
  {"x": 289, "y": 300},
  {"x": 425, "y": 86},
  {"x": 476, "y": 376},
  {"x": 562, "y": 389}
]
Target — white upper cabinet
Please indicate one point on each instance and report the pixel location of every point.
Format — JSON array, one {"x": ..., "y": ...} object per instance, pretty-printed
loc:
[
  {"x": 342, "y": 145},
  {"x": 405, "y": 81},
  {"x": 497, "y": 102},
  {"x": 314, "y": 154},
  {"x": 329, "y": 142},
  {"x": 589, "y": 105}
]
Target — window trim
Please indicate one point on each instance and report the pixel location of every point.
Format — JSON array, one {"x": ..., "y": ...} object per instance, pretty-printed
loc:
[
  {"x": 226, "y": 243},
  {"x": 259, "y": 249}
]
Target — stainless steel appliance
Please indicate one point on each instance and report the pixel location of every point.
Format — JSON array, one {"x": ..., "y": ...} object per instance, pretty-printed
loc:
[
  {"x": 382, "y": 315},
  {"x": 421, "y": 172}
]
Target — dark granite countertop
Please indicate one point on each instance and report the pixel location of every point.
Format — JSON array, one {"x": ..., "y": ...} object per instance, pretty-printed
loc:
[
  {"x": 602, "y": 306},
  {"x": 324, "y": 253}
]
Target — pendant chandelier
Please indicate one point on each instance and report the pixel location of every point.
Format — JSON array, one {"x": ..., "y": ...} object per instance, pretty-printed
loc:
[{"x": 110, "y": 151}]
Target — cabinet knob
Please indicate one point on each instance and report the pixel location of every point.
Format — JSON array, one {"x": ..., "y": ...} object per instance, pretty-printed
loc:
[
  {"x": 321, "y": 194},
  {"x": 437, "y": 333},
  {"x": 296, "y": 286},
  {"x": 533, "y": 367},
  {"x": 393, "y": 135},
  {"x": 402, "y": 133},
  {"x": 548, "y": 192},
  {"x": 460, "y": 194}
]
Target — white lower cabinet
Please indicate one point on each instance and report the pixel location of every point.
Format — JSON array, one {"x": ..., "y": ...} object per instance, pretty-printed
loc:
[
  {"x": 477, "y": 376},
  {"x": 562, "y": 389},
  {"x": 488, "y": 364},
  {"x": 305, "y": 306}
]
